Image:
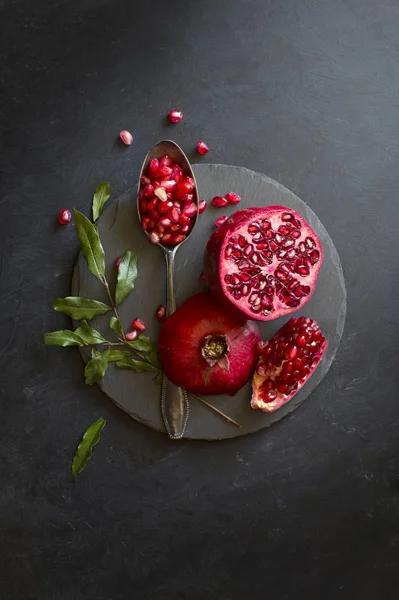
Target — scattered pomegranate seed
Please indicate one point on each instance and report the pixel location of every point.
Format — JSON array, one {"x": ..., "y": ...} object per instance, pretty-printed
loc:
[
  {"x": 202, "y": 206},
  {"x": 202, "y": 148},
  {"x": 138, "y": 325},
  {"x": 160, "y": 313},
  {"x": 202, "y": 276},
  {"x": 175, "y": 116},
  {"x": 64, "y": 217},
  {"x": 219, "y": 202},
  {"x": 233, "y": 198},
  {"x": 220, "y": 220},
  {"x": 131, "y": 335},
  {"x": 126, "y": 137},
  {"x": 117, "y": 262}
]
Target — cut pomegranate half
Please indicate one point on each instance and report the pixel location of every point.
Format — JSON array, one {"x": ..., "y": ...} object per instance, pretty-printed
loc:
[
  {"x": 286, "y": 363},
  {"x": 263, "y": 262}
]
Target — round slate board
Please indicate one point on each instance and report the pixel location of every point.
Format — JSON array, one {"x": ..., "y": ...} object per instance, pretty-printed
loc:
[{"x": 119, "y": 229}]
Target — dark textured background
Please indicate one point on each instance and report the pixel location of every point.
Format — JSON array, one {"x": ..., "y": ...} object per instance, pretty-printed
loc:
[{"x": 305, "y": 91}]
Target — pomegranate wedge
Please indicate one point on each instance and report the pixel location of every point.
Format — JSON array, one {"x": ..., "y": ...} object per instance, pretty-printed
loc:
[
  {"x": 263, "y": 262},
  {"x": 286, "y": 363}
]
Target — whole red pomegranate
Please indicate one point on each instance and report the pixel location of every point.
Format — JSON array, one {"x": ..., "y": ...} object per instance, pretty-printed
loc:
[
  {"x": 263, "y": 262},
  {"x": 286, "y": 363},
  {"x": 207, "y": 350}
]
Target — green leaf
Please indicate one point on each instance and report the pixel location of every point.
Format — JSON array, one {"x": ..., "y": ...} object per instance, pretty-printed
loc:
[
  {"x": 135, "y": 365},
  {"x": 114, "y": 355},
  {"x": 88, "y": 335},
  {"x": 158, "y": 378},
  {"x": 80, "y": 308},
  {"x": 96, "y": 367},
  {"x": 154, "y": 358},
  {"x": 127, "y": 275},
  {"x": 115, "y": 325},
  {"x": 99, "y": 199},
  {"x": 142, "y": 343},
  {"x": 64, "y": 337},
  {"x": 83, "y": 453},
  {"x": 90, "y": 245}
]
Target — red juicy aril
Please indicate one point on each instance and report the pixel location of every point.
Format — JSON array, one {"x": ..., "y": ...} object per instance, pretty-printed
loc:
[
  {"x": 286, "y": 363},
  {"x": 207, "y": 350},
  {"x": 263, "y": 262},
  {"x": 166, "y": 202}
]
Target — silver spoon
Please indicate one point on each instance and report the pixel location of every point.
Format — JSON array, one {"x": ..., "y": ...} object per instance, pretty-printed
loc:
[{"x": 174, "y": 399}]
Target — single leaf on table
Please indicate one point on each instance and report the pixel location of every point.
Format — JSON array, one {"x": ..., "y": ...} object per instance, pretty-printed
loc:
[
  {"x": 127, "y": 275},
  {"x": 100, "y": 197},
  {"x": 64, "y": 337},
  {"x": 115, "y": 325},
  {"x": 142, "y": 343},
  {"x": 83, "y": 453},
  {"x": 90, "y": 245},
  {"x": 96, "y": 367},
  {"x": 80, "y": 308},
  {"x": 114, "y": 355},
  {"x": 135, "y": 365},
  {"x": 88, "y": 335}
]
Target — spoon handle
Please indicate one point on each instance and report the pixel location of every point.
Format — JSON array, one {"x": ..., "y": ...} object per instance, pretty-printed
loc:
[{"x": 174, "y": 399}]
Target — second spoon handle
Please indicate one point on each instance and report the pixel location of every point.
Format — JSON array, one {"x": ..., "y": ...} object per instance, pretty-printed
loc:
[{"x": 174, "y": 399}]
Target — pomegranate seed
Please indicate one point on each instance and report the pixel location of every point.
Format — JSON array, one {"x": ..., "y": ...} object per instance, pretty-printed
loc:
[
  {"x": 177, "y": 172},
  {"x": 139, "y": 325},
  {"x": 165, "y": 161},
  {"x": 184, "y": 220},
  {"x": 202, "y": 148},
  {"x": 261, "y": 370},
  {"x": 152, "y": 204},
  {"x": 220, "y": 220},
  {"x": 126, "y": 137},
  {"x": 154, "y": 237},
  {"x": 144, "y": 180},
  {"x": 270, "y": 396},
  {"x": 175, "y": 228},
  {"x": 202, "y": 206},
  {"x": 165, "y": 222},
  {"x": 160, "y": 313},
  {"x": 178, "y": 239},
  {"x": 202, "y": 276},
  {"x": 164, "y": 207},
  {"x": 301, "y": 341},
  {"x": 185, "y": 229},
  {"x": 168, "y": 184},
  {"x": 174, "y": 214},
  {"x": 190, "y": 210},
  {"x": 175, "y": 116},
  {"x": 143, "y": 206},
  {"x": 148, "y": 191},
  {"x": 260, "y": 346},
  {"x": 64, "y": 217},
  {"x": 167, "y": 239},
  {"x": 233, "y": 198},
  {"x": 145, "y": 223},
  {"x": 219, "y": 202},
  {"x": 184, "y": 186},
  {"x": 153, "y": 168},
  {"x": 164, "y": 172},
  {"x": 117, "y": 262},
  {"x": 131, "y": 335}
]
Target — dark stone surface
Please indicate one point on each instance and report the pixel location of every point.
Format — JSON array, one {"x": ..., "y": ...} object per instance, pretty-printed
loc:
[
  {"x": 306, "y": 92},
  {"x": 120, "y": 230}
]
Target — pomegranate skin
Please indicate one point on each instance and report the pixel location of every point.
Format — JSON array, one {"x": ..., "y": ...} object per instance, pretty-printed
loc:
[
  {"x": 217, "y": 266},
  {"x": 185, "y": 334}
]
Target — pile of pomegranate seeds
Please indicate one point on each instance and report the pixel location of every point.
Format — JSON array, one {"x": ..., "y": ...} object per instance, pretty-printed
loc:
[
  {"x": 126, "y": 137},
  {"x": 166, "y": 202},
  {"x": 287, "y": 362},
  {"x": 202, "y": 148},
  {"x": 138, "y": 325},
  {"x": 175, "y": 116},
  {"x": 160, "y": 313},
  {"x": 64, "y": 217}
]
